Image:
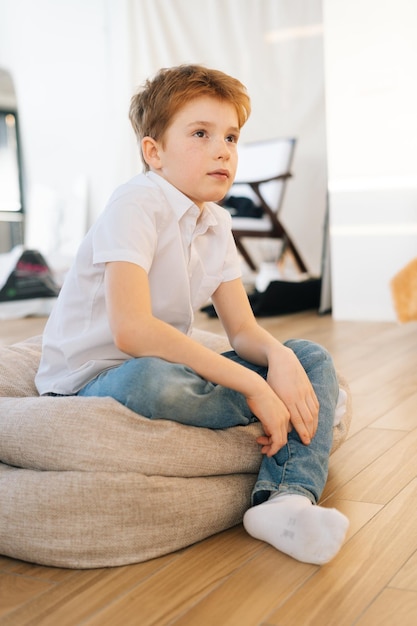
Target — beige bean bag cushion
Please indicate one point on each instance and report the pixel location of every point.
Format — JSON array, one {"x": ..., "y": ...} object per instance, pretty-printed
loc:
[{"x": 85, "y": 482}]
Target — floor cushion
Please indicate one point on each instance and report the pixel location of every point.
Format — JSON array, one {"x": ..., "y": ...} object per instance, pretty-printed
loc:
[{"x": 85, "y": 482}]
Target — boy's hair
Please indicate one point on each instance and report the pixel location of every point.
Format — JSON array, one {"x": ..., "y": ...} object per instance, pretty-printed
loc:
[{"x": 160, "y": 98}]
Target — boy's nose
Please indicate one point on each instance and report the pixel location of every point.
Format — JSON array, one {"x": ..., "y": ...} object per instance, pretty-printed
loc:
[{"x": 223, "y": 151}]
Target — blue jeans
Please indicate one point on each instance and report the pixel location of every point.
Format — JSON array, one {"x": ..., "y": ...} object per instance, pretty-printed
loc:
[{"x": 158, "y": 389}]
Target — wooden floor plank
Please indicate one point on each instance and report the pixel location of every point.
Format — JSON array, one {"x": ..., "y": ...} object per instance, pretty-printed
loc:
[
  {"x": 174, "y": 590},
  {"x": 17, "y": 590},
  {"x": 356, "y": 454},
  {"x": 83, "y": 594},
  {"x": 358, "y": 513},
  {"x": 248, "y": 596},
  {"x": 18, "y": 329},
  {"x": 382, "y": 479},
  {"x": 406, "y": 578},
  {"x": 343, "y": 589},
  {"x": 233, "y": 579},
  {"x": 402, "y": 417},
  {"x": 391, "y": 607}
]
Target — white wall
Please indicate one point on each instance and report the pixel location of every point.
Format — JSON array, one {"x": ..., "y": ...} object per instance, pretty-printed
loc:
[
  {"x": 76, "y": 63},
  {"x": 371, "y": 104}
]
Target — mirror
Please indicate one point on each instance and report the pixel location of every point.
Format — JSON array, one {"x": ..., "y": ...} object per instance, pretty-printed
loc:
[
  {"x": 11, "y": 184},
  {"x": 10, "y": 196}
]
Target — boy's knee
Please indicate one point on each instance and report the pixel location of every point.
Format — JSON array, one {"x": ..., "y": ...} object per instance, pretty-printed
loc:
[
  {"x": 303, "y": 347},
  {"x": 310, "y": 353}
]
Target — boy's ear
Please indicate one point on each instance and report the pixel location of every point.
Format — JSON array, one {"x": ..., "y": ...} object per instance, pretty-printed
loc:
[{"x": 150, "y": 151}]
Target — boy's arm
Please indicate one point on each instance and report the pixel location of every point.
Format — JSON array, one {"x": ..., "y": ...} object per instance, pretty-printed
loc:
[{"x": 138, "y": 333}]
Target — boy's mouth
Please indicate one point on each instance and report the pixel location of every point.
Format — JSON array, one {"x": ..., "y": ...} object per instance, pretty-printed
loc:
[{"x": 220, "y": 174}]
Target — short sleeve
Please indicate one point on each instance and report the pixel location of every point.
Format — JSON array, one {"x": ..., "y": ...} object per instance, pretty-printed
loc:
[{"x": 126, "y": 231}]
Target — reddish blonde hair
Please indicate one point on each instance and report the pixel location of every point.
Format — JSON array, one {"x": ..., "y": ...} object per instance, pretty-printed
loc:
[{"x": 154, "y": 105}]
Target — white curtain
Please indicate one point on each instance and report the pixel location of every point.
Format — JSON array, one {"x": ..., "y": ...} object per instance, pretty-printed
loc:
[
  {"x": 75, "y": 65},
  {"x": 275, "y": 47}
]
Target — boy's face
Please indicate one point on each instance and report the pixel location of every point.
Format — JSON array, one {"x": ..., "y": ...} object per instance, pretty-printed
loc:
[{"x": 199, "y": 155}]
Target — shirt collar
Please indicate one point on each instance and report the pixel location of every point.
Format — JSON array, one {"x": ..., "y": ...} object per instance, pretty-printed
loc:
[{"x": 181, "y": 204}]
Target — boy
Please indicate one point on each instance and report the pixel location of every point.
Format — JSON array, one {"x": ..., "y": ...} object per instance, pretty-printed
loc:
[{"x": 162, "y": 247}]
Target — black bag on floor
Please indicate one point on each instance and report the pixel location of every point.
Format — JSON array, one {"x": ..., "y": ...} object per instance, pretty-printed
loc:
[
  {"x": 282, "y": 297},
  {"x": 31, "y": 278}
]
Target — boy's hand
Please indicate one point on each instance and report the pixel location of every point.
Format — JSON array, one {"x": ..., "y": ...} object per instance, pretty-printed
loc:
[
  {"x": 274, "y": 417},
  {"x": 288, "y": 379}
]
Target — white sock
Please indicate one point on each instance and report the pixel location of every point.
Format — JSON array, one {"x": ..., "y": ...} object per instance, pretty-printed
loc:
[
  {"x": 292, "y": 524},
  {"x": 341, "y": 407}
]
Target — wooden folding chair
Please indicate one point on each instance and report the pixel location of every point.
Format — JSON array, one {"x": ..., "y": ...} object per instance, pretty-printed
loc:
[{"x": 263, "y": 171}]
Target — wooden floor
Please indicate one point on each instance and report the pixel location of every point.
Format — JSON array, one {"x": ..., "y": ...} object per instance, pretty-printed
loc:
[{"x": 232, "y": 579}]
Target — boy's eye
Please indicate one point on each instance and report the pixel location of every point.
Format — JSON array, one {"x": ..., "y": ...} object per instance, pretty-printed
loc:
[
  {"x": 200, "y": 133},
  {"x": 232, "y": 138}
]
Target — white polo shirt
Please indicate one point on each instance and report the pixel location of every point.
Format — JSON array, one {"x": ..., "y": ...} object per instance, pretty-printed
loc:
[{"x": 186, "y": 255}]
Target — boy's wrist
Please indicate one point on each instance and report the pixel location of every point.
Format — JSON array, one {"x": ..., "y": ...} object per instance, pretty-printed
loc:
[
  {"x": 277, "y": 353},
  {"x": 254, "y": 385}
]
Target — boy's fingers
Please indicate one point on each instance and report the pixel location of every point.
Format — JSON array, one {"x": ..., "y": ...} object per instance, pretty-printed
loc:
[
  {"x": 305, "y": 426},
  {"x": 269, "y": 447},
  {"x": 263, "y": 440}
]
